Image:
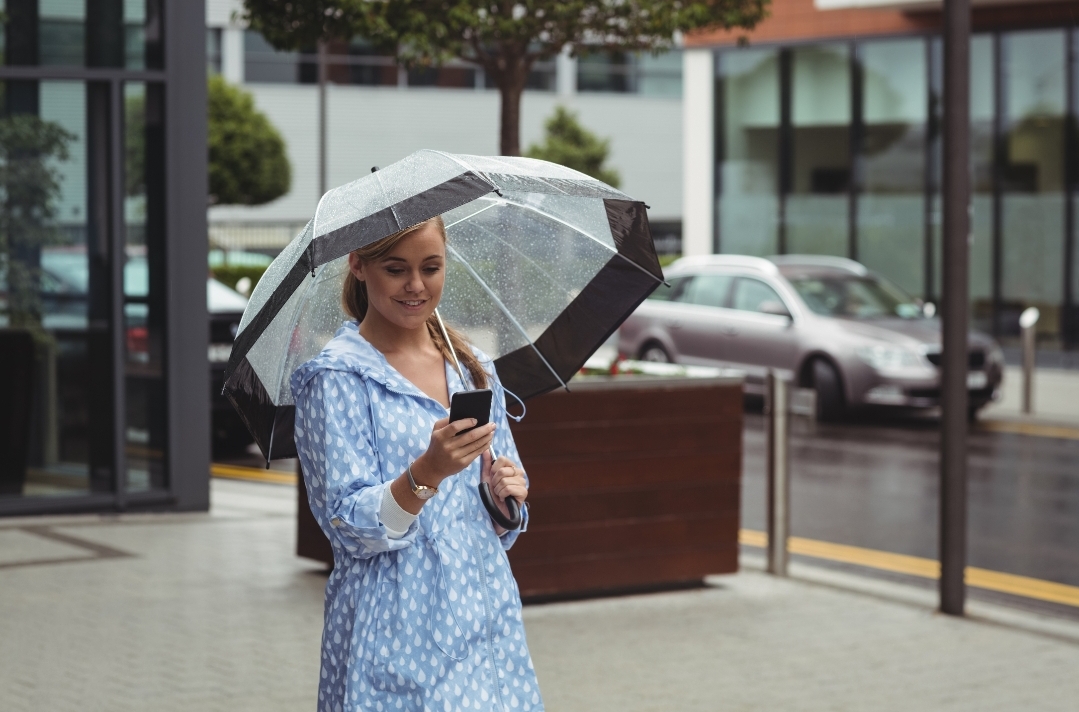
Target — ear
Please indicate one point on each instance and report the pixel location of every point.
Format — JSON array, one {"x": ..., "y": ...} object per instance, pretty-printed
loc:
[{"x": 356, "y": 266}]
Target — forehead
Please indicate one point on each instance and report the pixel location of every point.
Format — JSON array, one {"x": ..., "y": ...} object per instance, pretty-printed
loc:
[{"x": 421, "y": 244}]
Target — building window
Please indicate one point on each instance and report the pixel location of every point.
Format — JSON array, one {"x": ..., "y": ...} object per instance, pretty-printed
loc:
[
  {"x": 451, "y": 77},
  {"x": 213, "y": 50},
  {"x": 631, "y": 73},
  {"x": 835, "y": 149},
  {"x": 58, "y": 34},
  {"x": 1031, "y": 174},
  {"x": 747, "y": 93},
  {"x": 817, "y": 200},
  {"x": 55, "y": 288},
  {"x": 263, "y": 63},
  {"x": 982, "y": 139},
  {"x": 890, "y": 164},
  {"x": 357, "y": 63}
]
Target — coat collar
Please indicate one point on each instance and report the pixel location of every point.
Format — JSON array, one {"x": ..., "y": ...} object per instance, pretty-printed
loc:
[{"x": 348, "y": 351}]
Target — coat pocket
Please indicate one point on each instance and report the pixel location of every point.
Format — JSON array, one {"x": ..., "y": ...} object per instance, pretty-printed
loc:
[{"x": 452, "y": 623}]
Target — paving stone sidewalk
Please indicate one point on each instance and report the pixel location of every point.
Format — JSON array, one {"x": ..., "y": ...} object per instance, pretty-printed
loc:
[{"x": 213, "y": 612}]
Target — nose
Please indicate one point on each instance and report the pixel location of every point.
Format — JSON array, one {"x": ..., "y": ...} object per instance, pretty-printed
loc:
[{"x": 415, "y": 283}]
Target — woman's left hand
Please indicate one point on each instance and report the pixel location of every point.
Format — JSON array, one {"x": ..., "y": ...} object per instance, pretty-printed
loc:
[{"x": 506, "y": 480}]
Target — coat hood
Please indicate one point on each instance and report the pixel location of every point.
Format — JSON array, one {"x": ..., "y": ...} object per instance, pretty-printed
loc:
[{"x": 348, "y": 351}]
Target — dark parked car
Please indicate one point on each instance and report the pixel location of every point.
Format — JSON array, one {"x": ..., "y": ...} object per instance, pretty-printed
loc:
[
  {"x": 828, "y": 323},
  {"x": 226, "y": 309},
  {"x": 64, "y": 288}
]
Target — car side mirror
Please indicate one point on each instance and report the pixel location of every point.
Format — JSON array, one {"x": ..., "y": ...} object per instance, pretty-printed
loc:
[{"x": 771, "y": 306}]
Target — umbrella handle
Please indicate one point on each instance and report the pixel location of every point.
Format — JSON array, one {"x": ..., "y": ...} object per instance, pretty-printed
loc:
[{"x": 508, "y": 523}]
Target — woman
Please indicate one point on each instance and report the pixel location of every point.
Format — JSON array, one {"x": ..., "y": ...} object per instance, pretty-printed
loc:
[{"x": 422, "y": 611}]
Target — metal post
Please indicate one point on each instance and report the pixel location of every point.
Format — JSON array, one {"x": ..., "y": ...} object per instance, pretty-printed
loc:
[
  {"x": 321, "y": 119},
  {"x": 956, "y": 189},
  {"x": 777, "y": 408},
  {"x": 118, "y": 247},
  {"x": 1028, "y": 320}
]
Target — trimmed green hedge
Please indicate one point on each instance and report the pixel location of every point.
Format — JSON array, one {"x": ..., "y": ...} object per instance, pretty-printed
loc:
[{"x": 231, "y": 274}]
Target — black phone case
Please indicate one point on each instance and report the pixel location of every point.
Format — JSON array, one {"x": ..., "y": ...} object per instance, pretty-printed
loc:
[{"x": 471, "y": 404}]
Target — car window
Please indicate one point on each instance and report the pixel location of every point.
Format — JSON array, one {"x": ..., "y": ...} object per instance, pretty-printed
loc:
[
  {"x": 750, "y": 294},
  {"x": 672, "y": 293},
  {"x": 709, "y": 290},
  {"x": 855, "y": 297}
]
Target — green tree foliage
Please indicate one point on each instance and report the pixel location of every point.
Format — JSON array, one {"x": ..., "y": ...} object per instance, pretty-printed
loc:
[
  {"x": 135, "y": 145},
  {"x": 248, "y": 165},
  {"x": 505, "y": 38},
  {"x": 573, "y": 146},
  {"x": 30, "y": 148}
]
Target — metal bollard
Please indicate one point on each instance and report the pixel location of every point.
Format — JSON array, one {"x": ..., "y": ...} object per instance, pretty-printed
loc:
[
  {"x": 777, "y": 408},
  {"x": 1028, "y": 320}
]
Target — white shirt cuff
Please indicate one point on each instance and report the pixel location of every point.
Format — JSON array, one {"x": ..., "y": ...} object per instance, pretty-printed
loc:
[{"x": 393, "y": 517}]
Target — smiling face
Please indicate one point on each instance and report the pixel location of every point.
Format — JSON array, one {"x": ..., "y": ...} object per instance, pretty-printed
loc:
[{"x": 404, "y": 285}]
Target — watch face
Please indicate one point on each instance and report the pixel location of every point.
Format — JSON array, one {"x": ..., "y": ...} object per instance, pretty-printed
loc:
[{"x": 424, "y": 492}]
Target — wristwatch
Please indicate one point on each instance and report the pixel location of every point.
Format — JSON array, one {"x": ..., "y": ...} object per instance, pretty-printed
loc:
[{"x": 421, "y": 491}]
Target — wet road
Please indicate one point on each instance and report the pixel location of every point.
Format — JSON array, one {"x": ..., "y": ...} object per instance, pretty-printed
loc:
[{"x": 875, "y": 484}]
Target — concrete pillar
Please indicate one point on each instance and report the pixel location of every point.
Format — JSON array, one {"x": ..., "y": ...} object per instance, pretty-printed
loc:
[
  {"x": 232, "y": 54},
  {"x": 566, "y": 74},
  {"x": 698, "y": 151}
]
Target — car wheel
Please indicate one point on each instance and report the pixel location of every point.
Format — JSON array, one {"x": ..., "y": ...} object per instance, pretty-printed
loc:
[
  {"x": 829, "y": 388},
  {"x": 656, "y": 354}
]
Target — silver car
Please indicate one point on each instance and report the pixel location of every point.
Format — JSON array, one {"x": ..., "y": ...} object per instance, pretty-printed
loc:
[{"x": 828, "y": 322}]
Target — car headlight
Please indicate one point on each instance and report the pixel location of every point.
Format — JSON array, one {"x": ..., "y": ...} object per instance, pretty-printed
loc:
[{"x": 891, "y": 358}]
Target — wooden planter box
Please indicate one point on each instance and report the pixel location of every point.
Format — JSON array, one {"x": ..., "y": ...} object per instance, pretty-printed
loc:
[{"x": 635, "y": 484}]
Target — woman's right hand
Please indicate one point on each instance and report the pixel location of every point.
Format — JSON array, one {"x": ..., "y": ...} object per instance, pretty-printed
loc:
[{"x": 449, "y": 453}]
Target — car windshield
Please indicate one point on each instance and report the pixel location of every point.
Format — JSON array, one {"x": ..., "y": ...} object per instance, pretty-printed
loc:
[{"x": 855, "y": 297}]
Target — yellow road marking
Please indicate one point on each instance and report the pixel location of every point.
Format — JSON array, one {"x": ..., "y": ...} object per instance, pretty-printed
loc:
[
  {"x": 1036, "y": 429},
  {"x": 252, "y": 474},
  {"x": 923, "y": 568}
]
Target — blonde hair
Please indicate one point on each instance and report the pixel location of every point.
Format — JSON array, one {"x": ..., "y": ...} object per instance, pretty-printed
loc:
[{"x": 355, "y": 302}]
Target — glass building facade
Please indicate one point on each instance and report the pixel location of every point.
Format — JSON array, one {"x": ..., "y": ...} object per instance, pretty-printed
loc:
[
  {"x": 834, "y": 148},
  {"x": 87, "y": 374}
]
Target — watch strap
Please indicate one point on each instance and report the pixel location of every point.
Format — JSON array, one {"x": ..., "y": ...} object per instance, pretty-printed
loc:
[{"x": 418, "y": 489}]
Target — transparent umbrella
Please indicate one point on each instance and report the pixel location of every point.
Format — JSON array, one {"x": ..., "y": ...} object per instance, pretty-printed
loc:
[{"x": 544, "y": 263}]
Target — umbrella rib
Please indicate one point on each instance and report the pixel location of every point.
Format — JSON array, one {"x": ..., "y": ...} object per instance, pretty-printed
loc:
[
  {"x": 507, "y": 312},
  {"x": 396, "y": 220},
  {"x": 469, "y": 217}
]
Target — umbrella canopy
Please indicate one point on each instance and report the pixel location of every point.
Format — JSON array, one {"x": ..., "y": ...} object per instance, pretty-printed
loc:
[{"x": 544, "y": 263}]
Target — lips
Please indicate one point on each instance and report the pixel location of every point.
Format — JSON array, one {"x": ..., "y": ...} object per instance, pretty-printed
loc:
[{"x": 411, "y": 303}]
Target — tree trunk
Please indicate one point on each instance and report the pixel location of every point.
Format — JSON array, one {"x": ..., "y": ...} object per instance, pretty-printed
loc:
[{"x": 511, "y": 79}]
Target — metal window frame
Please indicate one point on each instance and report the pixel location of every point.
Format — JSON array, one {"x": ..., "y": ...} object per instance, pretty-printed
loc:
[
  {"x": 719, "y": 144},
  {"x": 856, "y": 137},
  {"x": 1070, "y": 322},
  {"x": 934, "y": 63},
  {"x": 187, "y": 439},
  {"x": 1000, "y": 152}
]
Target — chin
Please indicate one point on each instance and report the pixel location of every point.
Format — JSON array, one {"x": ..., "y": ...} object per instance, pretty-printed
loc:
[{"x": 412, "y": 321}]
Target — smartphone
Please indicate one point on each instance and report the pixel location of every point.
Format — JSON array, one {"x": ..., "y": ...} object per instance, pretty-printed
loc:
[{"x": 471, "y": 404}]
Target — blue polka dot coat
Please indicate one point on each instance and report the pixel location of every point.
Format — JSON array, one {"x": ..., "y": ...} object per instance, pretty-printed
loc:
[{"x": 430, "y": 621}]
